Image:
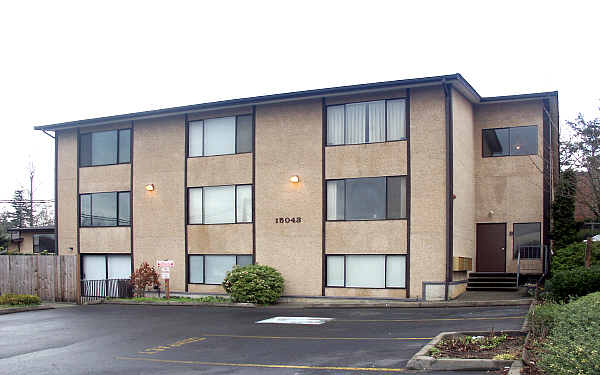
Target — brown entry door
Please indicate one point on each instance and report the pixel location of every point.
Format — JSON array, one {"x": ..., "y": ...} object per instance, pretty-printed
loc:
[{"x": 491, "y": 247}]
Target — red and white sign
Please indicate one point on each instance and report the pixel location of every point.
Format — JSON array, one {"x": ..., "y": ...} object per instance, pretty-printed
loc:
[
  {"x": 165, "y": 268},
  {"x": 165, "y": 263}
]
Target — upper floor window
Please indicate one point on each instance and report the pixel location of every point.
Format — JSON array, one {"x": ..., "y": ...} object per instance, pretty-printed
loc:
[
  {"x": 105, "y": 148},
  {"x": 366, "y": 122},
  {"x": 370, "y": 198},
  {"x": 520, "y": 140},
  {"x": 220, "y": 136},
  {"x": 105, "y": 209},
  {"x": 220, "y": 204}
]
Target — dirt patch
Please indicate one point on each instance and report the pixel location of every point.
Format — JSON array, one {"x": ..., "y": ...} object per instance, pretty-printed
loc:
[{"x": 506, "y": 347}]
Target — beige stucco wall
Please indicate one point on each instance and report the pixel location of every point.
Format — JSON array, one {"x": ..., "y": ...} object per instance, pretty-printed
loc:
[
  {"x": 428, "y": 187},
  {"x": 220, "y": 170},
  {"x": 105, "y": 178},
  {"x": 200, "y": 288},
  {"x": 365, "y": 292},
  {"x": 463, "y": 179},
  {"x": 363, "y": 237},
  {"x": 159, "y": 215},
  {"x": 289, "y": 142},
  {"x": 105, "y": 240},
  {"x": 220, "y": 239},
  {"x": 511, "y": 186},
  {"x": 66, "y": 171},
  {"x": 367, "y": 160}
]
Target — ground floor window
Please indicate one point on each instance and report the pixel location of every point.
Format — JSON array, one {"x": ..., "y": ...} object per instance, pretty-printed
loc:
[
  {"x": 366, "y": 271},
  {"x": 44, "y": 242},
  {"x": 527, "y": 240},
  {"x": 105, "y": 266},
  {"x": 211, "y": 269}
]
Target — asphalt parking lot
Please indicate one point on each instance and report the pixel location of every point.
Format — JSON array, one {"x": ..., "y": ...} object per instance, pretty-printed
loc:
[{"x": 120, "y": 339}]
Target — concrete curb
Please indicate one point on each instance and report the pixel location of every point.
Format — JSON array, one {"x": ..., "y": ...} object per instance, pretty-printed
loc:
[
  {"x": 422, "y": 360},
  {"x": 175, "y": 303},
  {"x": 13, "y": 310},
  {"x": 515, "y": 368},
  {"x": 420, "y": 304}
]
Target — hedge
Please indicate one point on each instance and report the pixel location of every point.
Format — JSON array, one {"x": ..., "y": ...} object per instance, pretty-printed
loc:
[
  {"x": 571, "y": 336},
  {"x": 573, "y": 283},
  {"x": 573, "y": 256},
  {"x": 254, "y": 283},
  {"x": 19, "y": 299}
]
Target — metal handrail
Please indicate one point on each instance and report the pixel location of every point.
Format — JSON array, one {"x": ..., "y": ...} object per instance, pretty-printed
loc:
[{"x": 518, "y": 266}]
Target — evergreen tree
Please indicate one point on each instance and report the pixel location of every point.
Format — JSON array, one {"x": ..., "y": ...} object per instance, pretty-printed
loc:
[
  {"x": 564, "y": 230},
  {"x": 21, "y": 213}
]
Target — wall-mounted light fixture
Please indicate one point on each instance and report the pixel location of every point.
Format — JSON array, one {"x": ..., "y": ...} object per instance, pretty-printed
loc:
[
  {"x": 150, "y": 187},
  {"x": 295, "y": 179}
]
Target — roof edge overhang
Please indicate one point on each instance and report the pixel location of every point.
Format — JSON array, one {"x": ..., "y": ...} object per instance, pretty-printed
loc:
[{"x": 459, "y": 83}]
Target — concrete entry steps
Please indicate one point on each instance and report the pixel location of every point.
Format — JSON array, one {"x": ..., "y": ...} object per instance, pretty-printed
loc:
[{"x": 492, "y": 281}]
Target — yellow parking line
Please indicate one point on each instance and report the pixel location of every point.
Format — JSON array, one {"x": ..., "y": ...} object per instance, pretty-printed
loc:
[
  {"x": 431, "y": 319},
  {"x": 318, "y": 338},
  {"x": 377, "y": 369}
]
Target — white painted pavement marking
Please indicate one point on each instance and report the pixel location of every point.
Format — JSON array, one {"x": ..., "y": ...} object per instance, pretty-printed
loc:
[{"x": 295, "y": 320}]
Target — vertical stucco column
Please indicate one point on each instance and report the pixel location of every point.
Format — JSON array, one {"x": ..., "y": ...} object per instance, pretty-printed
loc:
[
  {"x": 289, "y": 142},
  {"x": 67, "y": 194},
  {"x": 159, "y": 215},
  {"x": 428, "y": 188}
]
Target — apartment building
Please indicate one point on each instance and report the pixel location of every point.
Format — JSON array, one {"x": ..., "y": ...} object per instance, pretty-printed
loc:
[{"x": 392, "y": 190}]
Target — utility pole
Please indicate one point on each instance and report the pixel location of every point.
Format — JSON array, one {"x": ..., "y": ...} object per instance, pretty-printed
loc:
[{"x": 31, "y": 175}]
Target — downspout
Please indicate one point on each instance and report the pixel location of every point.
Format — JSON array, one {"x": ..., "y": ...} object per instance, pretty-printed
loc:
[{"x": 449, "y": 186}]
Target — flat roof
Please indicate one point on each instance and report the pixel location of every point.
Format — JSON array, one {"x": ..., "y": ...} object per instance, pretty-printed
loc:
[{"x": 462, "y": 86}]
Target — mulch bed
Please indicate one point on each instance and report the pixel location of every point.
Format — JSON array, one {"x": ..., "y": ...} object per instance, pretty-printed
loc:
[{"x": 463, "y": 347}]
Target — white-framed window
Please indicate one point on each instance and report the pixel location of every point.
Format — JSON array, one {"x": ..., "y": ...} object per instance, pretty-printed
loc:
[
  {"x": 366, "y": 271},
  {"x": 211, "y": 269},
  {"x": 227, "y": 204},
  {"x": 366, "y": 122},
  {"x": 220, "y": 136}
]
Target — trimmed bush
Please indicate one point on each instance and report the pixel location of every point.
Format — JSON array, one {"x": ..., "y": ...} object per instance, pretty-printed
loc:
[
  {"x": 572, "y": 336},
  {"x": 573, "y": 283},
  {"x": 572, "y": 256},
  {"x": 19, "y": 299},
  {"x": 254, "y": 283}
]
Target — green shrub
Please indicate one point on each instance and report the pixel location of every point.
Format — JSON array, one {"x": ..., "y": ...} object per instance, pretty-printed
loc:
[
  {"x": 19, "y": 299},
  {"x": 573, "y": 283},
  {"x": 572, "y": 256},
  {"x": 572, "y": 336},
  {"x": 254, "y": 283}
]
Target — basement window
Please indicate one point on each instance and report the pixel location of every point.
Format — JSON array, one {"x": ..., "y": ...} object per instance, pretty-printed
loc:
[{"x": 366, "y": 271}]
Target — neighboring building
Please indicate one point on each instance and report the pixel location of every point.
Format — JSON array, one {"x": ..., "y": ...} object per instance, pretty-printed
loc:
[
  {"x": 584, "y": 195},
  {"x": 32, "y": 240},
  {"x": 389, "y": 189}
]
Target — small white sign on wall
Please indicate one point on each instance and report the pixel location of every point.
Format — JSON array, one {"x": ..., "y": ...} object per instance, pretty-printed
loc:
[{"x": 296, "y": 320}]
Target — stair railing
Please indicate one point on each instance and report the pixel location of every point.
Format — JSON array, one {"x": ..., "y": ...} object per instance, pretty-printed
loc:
[{"x": 518, "y": 266}]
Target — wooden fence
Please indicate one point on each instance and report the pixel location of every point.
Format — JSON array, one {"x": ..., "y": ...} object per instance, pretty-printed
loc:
[{"x": 52, "y": 277}]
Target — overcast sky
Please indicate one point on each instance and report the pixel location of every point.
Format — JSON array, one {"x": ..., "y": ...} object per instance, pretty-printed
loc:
[{"x": 63, "y": 61}]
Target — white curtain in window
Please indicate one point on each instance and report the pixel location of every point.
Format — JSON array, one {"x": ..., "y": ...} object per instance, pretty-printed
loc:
[
  {"x": 219, "y": 136},
  {"x": 195, "y": 206},
  {"x": 365, "y": 271},
  {"x": 94, "y": 267},
  {"x": 335, "y": 270},
  {"x": 396, "y": 271},
  {"x": 335, "y": 125},
  {"x": 196, "y": 269},
  {"x": 377, "y": 121},
  {"x": 217, "y": 267},
  {"x": 335, "y": 200},
  {"x": 356, "y": 119},
  {"x": 396, "y": 119},
  {"x": 119, "y": 266},
  {"x": 244, "y": 204},
  {"x": 219, "y": 204},
  {"x": 196, "y": 138}
]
